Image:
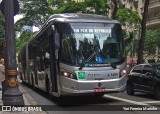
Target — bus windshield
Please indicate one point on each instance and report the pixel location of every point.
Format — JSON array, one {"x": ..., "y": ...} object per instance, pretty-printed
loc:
[{"x": 92, "y": 43}]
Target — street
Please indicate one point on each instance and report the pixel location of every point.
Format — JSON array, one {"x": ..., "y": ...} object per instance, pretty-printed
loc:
[{"x": 109, "y": 103}]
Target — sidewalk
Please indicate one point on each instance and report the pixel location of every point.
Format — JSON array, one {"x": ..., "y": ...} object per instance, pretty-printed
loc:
[{"x": 28, "y": 101}]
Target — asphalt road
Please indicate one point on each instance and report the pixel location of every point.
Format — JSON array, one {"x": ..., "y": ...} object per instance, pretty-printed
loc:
[{"x": 114, "y": 103}]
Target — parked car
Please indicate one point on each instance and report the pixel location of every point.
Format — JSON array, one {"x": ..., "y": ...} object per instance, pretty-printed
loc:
[{"x": 144, "y": 78}]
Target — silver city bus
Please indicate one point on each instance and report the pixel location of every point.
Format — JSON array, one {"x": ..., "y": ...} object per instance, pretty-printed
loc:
[{"x": 75, "y": 54}]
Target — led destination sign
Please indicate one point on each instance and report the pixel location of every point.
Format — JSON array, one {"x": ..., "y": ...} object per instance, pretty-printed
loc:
[{"x": 92, "y": 30}]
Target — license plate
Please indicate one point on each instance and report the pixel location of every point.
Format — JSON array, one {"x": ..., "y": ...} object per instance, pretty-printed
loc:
[{"x": 99, "y": 89}]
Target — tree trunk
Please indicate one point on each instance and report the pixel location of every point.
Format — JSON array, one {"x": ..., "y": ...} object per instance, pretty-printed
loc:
[
  {"x": 114, "y": 9},
  {"x": 143, "y": 30}
]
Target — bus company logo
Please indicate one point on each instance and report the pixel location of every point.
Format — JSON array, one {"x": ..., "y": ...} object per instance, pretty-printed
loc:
[
  {"x": 99, "y": 84},
  {"x": 6, "y": 108}
]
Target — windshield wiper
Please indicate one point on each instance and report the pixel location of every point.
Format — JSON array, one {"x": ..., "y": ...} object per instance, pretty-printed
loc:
[
  {"x": 90, "y": 57},
  {"x": 112, "y": 64},
  {"x": 96, "y": 50}
]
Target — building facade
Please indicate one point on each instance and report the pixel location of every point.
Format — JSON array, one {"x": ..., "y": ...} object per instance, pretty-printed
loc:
[
  {"x": 153, "y": 21},
  {"x": 153, "y": 14}
]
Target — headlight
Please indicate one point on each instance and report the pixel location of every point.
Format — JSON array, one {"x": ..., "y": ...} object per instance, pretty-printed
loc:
[
  {"x": 69, "y": 75},
  {"x": 123, "y": 72}
]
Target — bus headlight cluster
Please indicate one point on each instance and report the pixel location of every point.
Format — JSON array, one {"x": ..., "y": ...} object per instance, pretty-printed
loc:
[
  {"x": 68, "y": 75},
  {"x": 123, "y": 72}
]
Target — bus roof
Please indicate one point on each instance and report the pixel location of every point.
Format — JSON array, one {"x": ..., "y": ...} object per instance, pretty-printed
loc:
[{"x": 80, "y": 17}]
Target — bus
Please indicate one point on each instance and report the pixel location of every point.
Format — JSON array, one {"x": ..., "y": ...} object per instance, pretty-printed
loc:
[{"x": 75, "y": 54}]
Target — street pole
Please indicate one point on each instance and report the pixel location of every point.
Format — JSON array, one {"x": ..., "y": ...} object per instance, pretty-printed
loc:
[{"x": 12, "y": 95}]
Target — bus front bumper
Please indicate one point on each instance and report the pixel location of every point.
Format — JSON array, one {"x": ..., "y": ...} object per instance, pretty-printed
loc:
[{"x": 74, "y": 87}]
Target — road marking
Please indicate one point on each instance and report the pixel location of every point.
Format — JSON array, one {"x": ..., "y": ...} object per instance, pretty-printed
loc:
[
  {"x": 150, "y": 101},
  {"x": 125, "y": 100}
]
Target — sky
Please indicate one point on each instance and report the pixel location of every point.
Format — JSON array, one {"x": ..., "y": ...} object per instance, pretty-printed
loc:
[{"x": 19, "y": 16}]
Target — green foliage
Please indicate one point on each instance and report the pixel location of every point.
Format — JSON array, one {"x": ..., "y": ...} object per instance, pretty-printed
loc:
[
  {"x": 57, "y": 3},
  {"x": 152, "y": 41},
  {"x": 127, "y": 17},
  {"x": 89, "y": 6},
  {"x": 35, "y": 13},
  {"x": 158, "y": 37},
  {"x": 20, "y": 42},
  {"x": 71, "y": 7},
  {"x": 97, "y": 6},
  {"x": 131, "y": 43}
]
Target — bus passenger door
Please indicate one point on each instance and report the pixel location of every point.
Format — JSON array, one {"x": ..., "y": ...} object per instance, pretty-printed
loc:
[{"x": 53, "y": 64}]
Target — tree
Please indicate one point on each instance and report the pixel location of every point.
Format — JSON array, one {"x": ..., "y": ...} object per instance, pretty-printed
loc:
[
  {"x": 71, "y": 7},
  {"x": 158, "y": 38},
  {"x": 143, "y": 29},
  {"x": 88, "y": 6},
  {"x": 57, "y": 3},
  {"x": 35, "y": 13},
  {"x": 150, "y": 42},
  {"x": 129, "y": 20},
  {"x": 97, "y": 7},
  {"x": 113, "y": 8},
  {"x": 20, "y": 42}
]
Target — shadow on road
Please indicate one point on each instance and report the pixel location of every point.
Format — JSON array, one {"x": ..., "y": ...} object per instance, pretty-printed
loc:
[
  {"x": 143, "y": 95},
  {"x": 81, "y": 101},
  {"x": 87, "y": 103}
]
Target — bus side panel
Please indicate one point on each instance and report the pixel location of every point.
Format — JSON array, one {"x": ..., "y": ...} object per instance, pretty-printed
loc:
[{"x": 69, "y": 86}]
